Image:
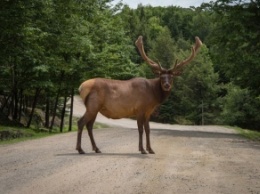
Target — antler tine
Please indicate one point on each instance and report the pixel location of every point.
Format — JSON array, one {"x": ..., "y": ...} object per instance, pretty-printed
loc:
[
  {"x": 159, "y": 64},
  {"x": 176, "y": 63},
  {"x": 140, "y": 46},
  {"x": 197, "y": 44},
  {"x": 194, "y": 51}
]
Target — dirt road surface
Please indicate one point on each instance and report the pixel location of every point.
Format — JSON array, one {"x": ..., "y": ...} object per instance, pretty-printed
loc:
[{"x": 188, "y": 159}]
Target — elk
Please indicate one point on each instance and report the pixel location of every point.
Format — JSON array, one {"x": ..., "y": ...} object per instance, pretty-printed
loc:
[{"x": 137, "y": 97}]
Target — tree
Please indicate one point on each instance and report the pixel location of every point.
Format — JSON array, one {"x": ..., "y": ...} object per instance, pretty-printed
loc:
[
  {"x": 51, "y": 46},
  {"x": 235, "y": 50},
  {"x": 240, "y": 108},
  {"x": 193, "y": 98},
  {"x": 197, "y": 90},
  {"x": 164, "y": 48},
  {"x": 21, "y": 57}
]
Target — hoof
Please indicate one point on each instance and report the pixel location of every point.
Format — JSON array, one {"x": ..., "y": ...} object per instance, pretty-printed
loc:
[
  {"x": 143, "y": 152},
  {"x": 150, "y": 151},
  {"x": 97, "y": 150},
  {"x": 81, "y": 151}
]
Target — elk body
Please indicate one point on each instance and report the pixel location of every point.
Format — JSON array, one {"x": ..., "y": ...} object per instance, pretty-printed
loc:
[{"x": 137, "y": 97}]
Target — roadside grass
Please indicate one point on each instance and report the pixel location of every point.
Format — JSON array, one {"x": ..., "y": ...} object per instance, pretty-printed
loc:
[
  {"x": 249, "y": 134},
  {"x": 14, "y": 134}
]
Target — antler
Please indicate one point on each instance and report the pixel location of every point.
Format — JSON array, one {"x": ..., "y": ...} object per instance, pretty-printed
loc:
[
  {"x": 157, "y": 68},
  {"x": 176, "y": 70}
]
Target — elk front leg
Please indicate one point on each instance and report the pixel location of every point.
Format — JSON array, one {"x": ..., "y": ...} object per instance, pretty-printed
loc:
[
  {"x": 141, "y": 130},
  {"x": 147, "y": 132}
]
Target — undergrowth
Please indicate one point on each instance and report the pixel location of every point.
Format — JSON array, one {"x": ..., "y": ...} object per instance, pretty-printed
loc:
[{"x": 13, "y": 133}]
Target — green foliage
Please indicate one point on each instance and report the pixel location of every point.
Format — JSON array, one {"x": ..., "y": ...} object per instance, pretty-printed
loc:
[
  {"x": 240, "y": 108},
  {"x": 164, "y": 49},
  {"x": 252, "y": 135},
  {"x": 12, "y": 134},
  {"x": 236, "y": 55},
  {"x": 193, "y": 98},
  {"x": 49, "y": 47},
  {"x": 239, "y": 48},
  {"x": 199, "y": 88},
  {"x": 231, "y": 54}
]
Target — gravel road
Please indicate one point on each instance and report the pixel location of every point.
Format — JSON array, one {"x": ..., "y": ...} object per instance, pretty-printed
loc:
[{"x": 188, "y": 159}]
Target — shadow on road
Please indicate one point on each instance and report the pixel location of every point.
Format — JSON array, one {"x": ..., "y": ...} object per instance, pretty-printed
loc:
[
  {"x": 236, "y": 139},
  {"x": 196, "y": 134},
  {"x": 135, "y": 155}
]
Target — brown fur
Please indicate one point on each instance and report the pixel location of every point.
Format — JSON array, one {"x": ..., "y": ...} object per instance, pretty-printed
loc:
[{"x": 116, "y": 99}]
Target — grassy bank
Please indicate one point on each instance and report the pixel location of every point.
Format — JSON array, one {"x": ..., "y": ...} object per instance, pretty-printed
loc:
[
  {"x": 14, "y": 134},
  {"x": 249, "y": 134}
]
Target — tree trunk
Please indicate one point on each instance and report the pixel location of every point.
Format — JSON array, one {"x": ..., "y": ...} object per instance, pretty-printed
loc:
[
  {"x": 20, "y": 105},
  {"x": 11, "y": 107},
  {"x": 71, "y": 109},
  {"x": 55, "y": 109},
  {"x": 63, "y": 112},
  {"x": 16, "y": 107},
  {"x": 56, "y": 102},
  {"x": 47, "y": 112},
  {"x": 37, "y": 92},
  {"x": 5, "y": 102},
  {"x": 202, "y": 113}
]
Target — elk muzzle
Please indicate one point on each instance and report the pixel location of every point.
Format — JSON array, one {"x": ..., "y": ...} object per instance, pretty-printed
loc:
[{"x": 166, "y": 82}]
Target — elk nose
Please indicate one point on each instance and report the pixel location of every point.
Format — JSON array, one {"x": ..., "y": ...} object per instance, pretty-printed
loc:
[{"x": 167, "y": 86}]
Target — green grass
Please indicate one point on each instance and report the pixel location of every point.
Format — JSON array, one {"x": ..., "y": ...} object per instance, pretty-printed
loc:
[
  {"x": 18, "y": 134},
  {"x": 249, "y": 134},
  {"x": 100, "y": 125},
  {"x": 31, "y": 133}
]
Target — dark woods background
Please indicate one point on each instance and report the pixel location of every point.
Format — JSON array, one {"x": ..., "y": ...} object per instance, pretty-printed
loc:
[{"x": 49, "y": 47}]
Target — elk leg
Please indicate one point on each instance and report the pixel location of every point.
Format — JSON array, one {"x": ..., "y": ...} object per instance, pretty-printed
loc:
[
  {"x": 81, "y": 123},
  {"x": 90, "y": 133},
  {"x": 147, "y": 132},
  {"x": 141, "y": 130}
]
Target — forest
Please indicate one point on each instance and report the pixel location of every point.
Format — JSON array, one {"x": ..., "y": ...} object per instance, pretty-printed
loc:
[{"x": 49, "y": 47}]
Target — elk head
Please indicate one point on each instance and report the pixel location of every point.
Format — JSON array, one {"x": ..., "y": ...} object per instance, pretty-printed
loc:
[{"x": 166, "y": 75}]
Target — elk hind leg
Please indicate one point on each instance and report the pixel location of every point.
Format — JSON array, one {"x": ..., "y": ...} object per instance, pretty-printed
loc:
[
  {"x": 81, "y": 124},
  {"x": 89, "y": 126}
]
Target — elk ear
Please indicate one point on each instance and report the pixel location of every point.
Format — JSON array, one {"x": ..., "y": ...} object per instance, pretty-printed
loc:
[
  {"x": 177, "y": 73},
  {"x": 156, "y": 72}
]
